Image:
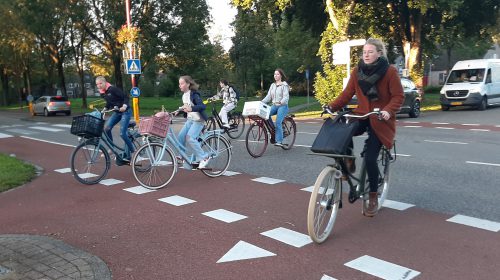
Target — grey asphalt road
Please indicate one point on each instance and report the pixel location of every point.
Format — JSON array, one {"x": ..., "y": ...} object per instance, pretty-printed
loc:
[{"x": 449, "y": 165}]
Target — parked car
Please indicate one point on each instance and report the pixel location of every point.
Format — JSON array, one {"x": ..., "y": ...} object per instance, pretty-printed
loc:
[
  {"x": 51, "y": 105},
  {"x": 411, "y": 103}
]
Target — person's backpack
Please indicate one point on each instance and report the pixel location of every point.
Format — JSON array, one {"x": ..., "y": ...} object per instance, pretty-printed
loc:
[{"x": 237, "y": 92}]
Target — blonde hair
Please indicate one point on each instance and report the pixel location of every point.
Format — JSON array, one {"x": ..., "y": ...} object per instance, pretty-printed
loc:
[
  {"x": 379, "y": 45},
  {"x": 192, "y": 84}
]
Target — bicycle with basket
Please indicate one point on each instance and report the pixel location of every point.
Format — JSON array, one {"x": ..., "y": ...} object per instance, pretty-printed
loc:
[
  {"x": 91, "y": 159},
  {"x": 157, "y": 161}
]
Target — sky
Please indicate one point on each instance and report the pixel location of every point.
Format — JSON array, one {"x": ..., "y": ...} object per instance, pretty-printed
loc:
[{"x": 222, "y": 15}]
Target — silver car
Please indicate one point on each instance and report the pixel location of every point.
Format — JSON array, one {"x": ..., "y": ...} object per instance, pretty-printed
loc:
[{"x": 51, "y": 105}]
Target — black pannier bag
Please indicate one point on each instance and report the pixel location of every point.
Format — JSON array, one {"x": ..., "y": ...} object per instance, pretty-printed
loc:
[{"x": 334, "y": 136}]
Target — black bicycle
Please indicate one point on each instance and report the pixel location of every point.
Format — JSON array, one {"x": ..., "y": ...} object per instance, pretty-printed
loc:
[
  {"x": 326, "y": 197},
  {"x": 235, "y": 119}
]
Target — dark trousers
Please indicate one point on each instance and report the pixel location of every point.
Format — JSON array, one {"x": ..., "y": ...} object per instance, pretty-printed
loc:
[{"x": 372, "y": 146}]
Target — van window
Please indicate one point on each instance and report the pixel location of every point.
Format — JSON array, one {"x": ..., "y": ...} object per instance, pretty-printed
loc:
[{"x": 466, "y": 75}]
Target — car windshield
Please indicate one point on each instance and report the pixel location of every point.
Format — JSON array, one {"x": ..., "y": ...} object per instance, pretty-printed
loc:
[
  {"x": 58, "y": 98},
  {"x": 466, "y": 76}
]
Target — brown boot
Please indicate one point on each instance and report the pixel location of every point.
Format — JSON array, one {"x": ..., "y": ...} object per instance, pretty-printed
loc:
[{"x": 372, "y": 208}]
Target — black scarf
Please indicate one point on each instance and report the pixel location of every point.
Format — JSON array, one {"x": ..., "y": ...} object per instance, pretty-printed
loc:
[{"x": 369, "y": 74}]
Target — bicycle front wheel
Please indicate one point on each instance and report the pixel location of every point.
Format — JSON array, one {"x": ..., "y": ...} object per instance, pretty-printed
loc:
[
  {"x": 154, "y": 166},
  {"x": 324, "y": 204},
  {"x": 256, "y": 139},
  {"x": 90, "y": 162},
  {"x": 219, "y": 150},
  {"x": 289, "y": 133},
  {"x": 237, "y": 124}
]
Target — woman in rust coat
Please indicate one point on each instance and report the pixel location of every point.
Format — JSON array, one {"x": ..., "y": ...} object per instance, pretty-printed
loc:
[{"x": 376, "y": 85}]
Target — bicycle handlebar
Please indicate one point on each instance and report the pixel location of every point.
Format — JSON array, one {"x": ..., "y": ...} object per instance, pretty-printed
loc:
[{"x": 376, "y": 111}]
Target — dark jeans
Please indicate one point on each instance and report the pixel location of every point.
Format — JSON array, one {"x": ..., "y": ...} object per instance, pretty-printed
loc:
[
  {"x": 124, "y": 120},
  {"x": 373, "y": 146}
]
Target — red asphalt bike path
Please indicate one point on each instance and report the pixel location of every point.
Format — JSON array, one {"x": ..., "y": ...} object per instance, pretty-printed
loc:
[{"x": 140, "y": 237}]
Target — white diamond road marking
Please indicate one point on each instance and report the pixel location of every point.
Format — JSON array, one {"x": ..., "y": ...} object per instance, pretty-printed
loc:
[
  {"x": 46, "y": 128},
  {"x": 381, "y": 268},
  {"x": 470, "y": 124},
  {"x": 138, "y": 190},
  {"x": 321, "y": 190},
  {"x": 231, "y": 173},
  {"x": 412, "y": 126},
  {"x": 244, "y": 251},
  {"x": 478, "y": 129},
  {"x": 110, "y": 182},
  {"x": 267, "y": 180},
  {"x": 446, "y": 142},
  {"x": 21, "y": 131},
  {"x": 2, "y": 135},
  {"x": 288, "y": 236},
  {"x": 63, "y": 125},
  {"x": 63, "y": 170},
  {"x": 224, "y": 215},
  {"x": 483, "y": 163},
  {"x": 440, "y": 127},
  {"x": 401, "y": 206},
  {"x": 475, "y": 222},
  {"x": 326, "y": 277},
  {"x": 177, "y": 200},
  {"x": 440, "y": 123},
  {"x": 86, "y": 175}
]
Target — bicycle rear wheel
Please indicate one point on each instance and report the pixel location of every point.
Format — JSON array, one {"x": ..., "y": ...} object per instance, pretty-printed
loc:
[
  {"x": 324, "y": 204},
  {"x": 220, "y": 152},
  {"x": 384, "y": 175},
  {"x": 289, "y": 133},
  {"x": 154, "y": 166},
  {"x": 237, "y": 124},
  {"x": 256, "y": 139},
  {"x": 90, "y": 162}
]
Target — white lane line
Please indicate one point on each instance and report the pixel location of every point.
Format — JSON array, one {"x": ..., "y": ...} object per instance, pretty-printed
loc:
[
  {"x": 472, "y": 124},
  {"x": 305, "y": 146},
  {"x": 475, "y": 222},
  {"x": 224, "y": 215},
  {"x": 412, "y": 126},
  {"x": 287, "y": 236},
  {"x": 446, "y": 142},
  {"x": 497, "y": 125},
  {"x": 46, "y": 128},
  {"x": 267, "y": 180},
  {"x": 483, "y": 163},
  {"x": 401, "y": 155},
  {"x": 138, "y": 190},
  {"x": 410, "y": 122},
  {"x": 440, "y": 127},
  {"x": 326, "y": 277},
  {"x": 381, "y": 268},
  {"x": 440, "y": 123},
  {"x": 62, "y": 125},
  {"x": 2, "y": 135},
  {"x": 230, "y": 173},
  {"x": 244, "y": 251},
  {"x": 309, "y": 133},
  {"x": 176, "y": 200},
  {"x": 401, "y": 206},
  {"x": 479, "y": 129},
  {"x": 50, "y": 142}
]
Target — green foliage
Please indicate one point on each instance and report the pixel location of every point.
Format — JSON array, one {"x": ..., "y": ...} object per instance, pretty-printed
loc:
[{"x": 14, "y": 172}]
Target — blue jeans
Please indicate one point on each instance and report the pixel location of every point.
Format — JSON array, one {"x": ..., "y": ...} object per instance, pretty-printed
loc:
[
  {"x": 280, "y": 112},
  {"x": 124, "y": 119},
  {"x": 189, "y": 135}
]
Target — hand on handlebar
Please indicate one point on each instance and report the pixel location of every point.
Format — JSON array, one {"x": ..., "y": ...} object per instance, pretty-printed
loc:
[{"x": 385, "y": 115}]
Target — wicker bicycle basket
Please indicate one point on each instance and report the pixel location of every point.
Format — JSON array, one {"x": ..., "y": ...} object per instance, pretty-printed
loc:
[{"x": 87, "y": 126}]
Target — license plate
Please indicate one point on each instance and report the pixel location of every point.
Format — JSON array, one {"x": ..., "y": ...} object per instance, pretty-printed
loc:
[
  {"x": 456, "y": 103},
  {"x": 352, "y": 106}
]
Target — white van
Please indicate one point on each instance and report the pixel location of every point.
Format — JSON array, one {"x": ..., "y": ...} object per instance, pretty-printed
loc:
[{"x": 472, "y": 83}]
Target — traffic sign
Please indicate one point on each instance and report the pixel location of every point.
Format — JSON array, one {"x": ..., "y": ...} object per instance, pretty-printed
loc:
[
  {"x": 135, "y": 92},
  {"x": 133, "y": 66}
]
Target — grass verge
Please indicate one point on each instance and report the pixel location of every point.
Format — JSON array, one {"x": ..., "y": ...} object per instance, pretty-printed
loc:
[{"x": 14, "y": 172}]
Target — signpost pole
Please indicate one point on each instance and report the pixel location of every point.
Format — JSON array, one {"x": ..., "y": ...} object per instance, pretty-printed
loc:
[{"x": 135, "y": 101}]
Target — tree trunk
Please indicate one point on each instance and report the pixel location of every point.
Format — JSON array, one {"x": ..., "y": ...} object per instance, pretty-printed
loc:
[
  {"x": 62, "y": 79},
  {"x": 5, "y": 84},
  {"x": 117, "y": 63}
]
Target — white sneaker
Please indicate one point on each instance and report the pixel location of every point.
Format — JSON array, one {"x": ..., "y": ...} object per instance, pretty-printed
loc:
[
  {"x": 203, "y": 163},
  {"x": 226, "y": 125}
]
